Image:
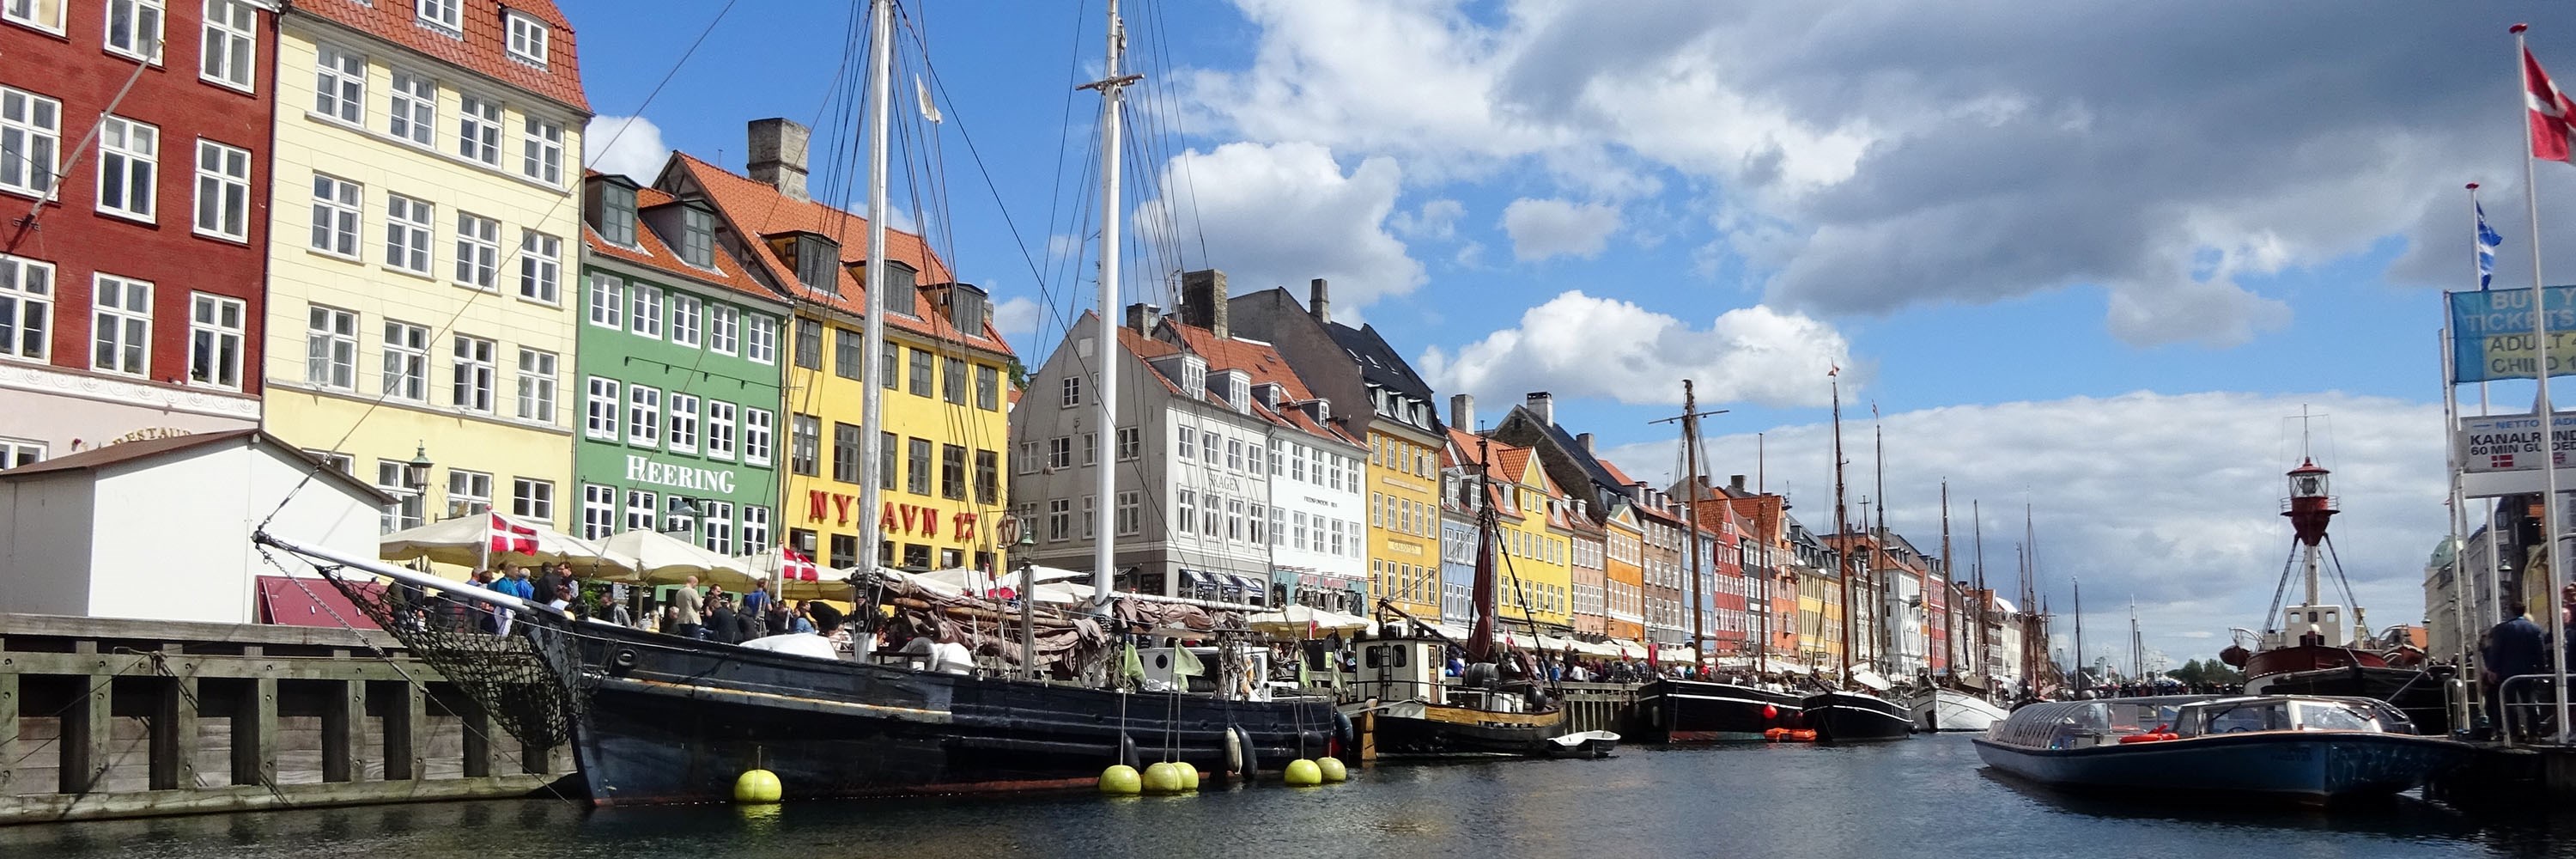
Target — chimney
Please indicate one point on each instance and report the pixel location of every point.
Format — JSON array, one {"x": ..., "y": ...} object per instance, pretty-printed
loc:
[
  {"x": 1544, "y": 406},
  {"x": 1462, "y": 412},
  {"x": 1735, "y": 481},
  {"x": 1319, "y": 301},
  {"x": 1203, "y": 301},
  {"x": 1585, "y": 440},
  {"x": 1142, "y": 316},
  {"x": 778, "y": 156}
]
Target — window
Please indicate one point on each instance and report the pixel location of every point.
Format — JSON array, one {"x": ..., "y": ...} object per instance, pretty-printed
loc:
[
  {"x": 760, "y": 340},
  {"x": 804, "y": 443},
  {"x": 336, "y": 204},
  {"x": 886, "y": 443},
  {"x": 540, "y": 267},
  {"x": 1128, "y": 517},
  {"x": 921, "y": 370},
  {"x": 413, "y": 109},
  {"x": 536, "y": 386},
  {"x": 1073, "y": 397},
  {"x": 1131, "y": 442},
  {"x": 1188, "y": 440},
  {"x": 534, "y": 499},
  {"x": 331, "y": 348},
  {"x": 598, "y": 511},
  {"x": 845, "y": 550},
  {"x": 1090, "y": 517},
  {"x": 755, "y": 530},
  {"x": 952, "y": 383},
  {"x": 607, "y": 302},
  {"x": 215, "y": 341},
  {"x": 717, "y": 536},
  {"x": 407, "y": 233},
  {"x": 121, "y": 325},
  {"x": 1252, "y": 457},
  {"x": 720, "y": 429},
  {"x": 988, "y": 477},
  {"x": 988, "y": 387},
  {"x": 644, "y": 309},
  {"x": 340, "y": 85},
  {"x": 444, "y": 13},
  {"x": 478, "y": 251},
  {"x": 1234, "y": 454},
  {"x": 1060, "y": 519},
  {"x": 724, "y": 329},
  {"x": 687, "y": 319},
  {"x": 406, "y": 509},
  {"x": 1254, "y": 521},
  {"x": 1185, "y": 512},
  {"x": 617, "y": 215},
  {"x": 478, "y": 130},
  {"x": 541, "y": 150},
  {"x": 406, "y": 362},
  {"x": 952, "y": 471},
  {"x": 31, "y": 139},
  {"x": 684, "y": 423},
  {"x": 599, "y": 409},
  {"x": 1091, "y": 448},
  {"x": 640, "y": 510},
  {"x": 231, "y": 43},
  {"x": 809, "y": 344},
  {"x": 755, "y": 436},
  {"x": 468, "y": 492},
  {"x": 698, "y": 237},
  {"x": 643, "y": 416},
  {"x": 1060, "y": 452},
  {"x": 527, "y": 39},
  {"x": 129, "y": 167},
  {"x": 223, "y": 191},
  {"x": 917, "y": 467},
  {"x": 1028, "y": 458},
  {"x": 847, "y": 355},
  {"x": 471, "y": 386}
]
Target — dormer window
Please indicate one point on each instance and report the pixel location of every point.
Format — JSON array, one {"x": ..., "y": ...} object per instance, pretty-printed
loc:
[
  {"x": 698, "y": 237},
  {"x": 817, "y": 259},
  {"x": 1193, "y": 373},
  {"x": 1236, "y": 387},
  {"x": 448, "y": 15},
  {"x": 966, "y": 308},
  {"x": 616, "y": 212},
  {"x": 527, "y": 38},
  {"x": 901, "y": 288},
  {"x": 1323, "y": 409}
]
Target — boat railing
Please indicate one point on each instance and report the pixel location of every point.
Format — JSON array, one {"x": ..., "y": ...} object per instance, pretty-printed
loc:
[{"x": 2528, "y": 704}]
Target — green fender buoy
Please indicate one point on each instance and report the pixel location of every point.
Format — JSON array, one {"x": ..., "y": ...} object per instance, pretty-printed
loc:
[
  {"x": 1333, "y": 770},
  {"x": 1162, "y": 778},
  {"x": 1189, "y": 775},
  {"x": 757, "y": 787},
  {"x": 1121, "y": 780},
  {"x": 1304, "y": 773}
]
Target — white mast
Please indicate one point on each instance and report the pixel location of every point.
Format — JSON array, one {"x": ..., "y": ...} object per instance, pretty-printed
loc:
[
  {"x": 872, "y": 330},
  {"x": 1106, "y": 355}
]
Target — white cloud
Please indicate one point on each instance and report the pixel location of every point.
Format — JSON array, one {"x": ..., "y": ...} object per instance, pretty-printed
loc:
[
  {"x": 1018, "y": 317},
  {"x": 2170, "y": 499},
  {"x": 1284, "y": 214},
  {"x": 629, "y": 146},
  {"x": 1577, "y": 345},
  {"x": 1545, "y": 228},
  {"x": 1437, "y": 219}
]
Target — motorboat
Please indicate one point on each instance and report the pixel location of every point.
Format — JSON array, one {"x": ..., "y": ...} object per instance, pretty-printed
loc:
[
  {"x": 1583, "y": 744},
  {"x": 1943, "y": 709},
  {"x": 2298, "y": 748}
]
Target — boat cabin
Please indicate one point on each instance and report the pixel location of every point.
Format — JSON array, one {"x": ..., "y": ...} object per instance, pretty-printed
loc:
[
  {"x": 1401, "y": 669},
  {"x": 2084, "y": 724},
  {"x": 1166, "y": 671},
  {"x": 2297, "y": 622}
]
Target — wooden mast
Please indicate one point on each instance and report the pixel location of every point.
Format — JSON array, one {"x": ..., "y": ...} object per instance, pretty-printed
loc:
[{"x": 1842, "y": 525}]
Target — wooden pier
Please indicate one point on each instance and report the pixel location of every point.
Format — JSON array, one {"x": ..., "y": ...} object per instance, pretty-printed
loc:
[{"x": 104, "y": 718}]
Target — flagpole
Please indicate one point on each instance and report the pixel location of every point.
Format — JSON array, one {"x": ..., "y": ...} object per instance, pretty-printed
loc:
[{"x": 2540, "y": 373}]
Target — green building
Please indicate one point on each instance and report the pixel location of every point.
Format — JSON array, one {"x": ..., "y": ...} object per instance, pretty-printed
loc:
[{"x": 679, "y": 376}]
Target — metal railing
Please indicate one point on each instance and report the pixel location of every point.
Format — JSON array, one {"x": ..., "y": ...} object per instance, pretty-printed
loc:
[{"x": 2528, "y": 706}]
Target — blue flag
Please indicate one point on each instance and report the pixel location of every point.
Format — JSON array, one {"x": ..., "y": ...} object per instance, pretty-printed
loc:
[{"x": 2488, "y": 241}]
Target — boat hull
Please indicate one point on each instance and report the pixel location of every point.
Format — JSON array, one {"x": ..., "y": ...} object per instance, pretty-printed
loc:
[
  {"x": 671, "y": 721},
  {"x": 2412, "y": 691},
  {"x": 1690, "y": 711},
  {"x": 1952, "y": 710},
  {"x": 2292, "y": 766},
  {"x": 1854, "y": 717},
  {"x": 1413, "y": 729},
  {"x": 1588, "y": 744}
]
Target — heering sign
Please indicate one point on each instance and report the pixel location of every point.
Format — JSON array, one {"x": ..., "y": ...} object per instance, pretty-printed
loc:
[{"x": 645, "y": 470}]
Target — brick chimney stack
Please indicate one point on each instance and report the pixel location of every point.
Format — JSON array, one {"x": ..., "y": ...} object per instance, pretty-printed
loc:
[
  {"x": 778, "y": 156},
  {"x": 1203, "y": 301},
  {"x": 1319, "y": 301}
]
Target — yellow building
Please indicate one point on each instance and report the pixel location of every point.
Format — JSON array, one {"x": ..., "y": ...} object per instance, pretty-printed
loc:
[
  {"x": 427, "y": 222},
  {"x": 1624, "y": 576},
  {"x": 1404, "y": 519},
  {"x": 946, "y": 396},
  {"x": 1534, "y": 564}
]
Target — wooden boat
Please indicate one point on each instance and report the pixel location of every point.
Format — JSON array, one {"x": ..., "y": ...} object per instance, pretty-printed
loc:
[
  {"x": 1856, "y": 717},
  {"x": 1583, "y": 744},
  {"x": 2294, "y": 748},
  {"x": 1416, "y": 728},
  {"x": 1695, "y": 711},
  {"x": 1945, "y": 709}
]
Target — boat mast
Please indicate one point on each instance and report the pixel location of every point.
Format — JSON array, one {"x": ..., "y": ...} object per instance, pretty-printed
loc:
[
  {"x": 1881, "y": 589},
  {"x": 1690, "y": 530},
  {"x": 1480, "y": 640},
  {"x": 1842, "y": 525},
  {"x": 1949, "y": 630},
  {"x": 1977, "y": 521},
  {"x": 1112, "y": 87},
  {"x": 2079, "y": 627},
  {"x": 872, "y": 321}
]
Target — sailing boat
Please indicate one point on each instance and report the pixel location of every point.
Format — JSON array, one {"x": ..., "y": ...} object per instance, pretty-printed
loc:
[
  {"x": 1943, "y": 704},
  {"x": 655, "y": 718},
  {"x": 1699, "y": 711},
  {"x": 1851, "y": 715}
]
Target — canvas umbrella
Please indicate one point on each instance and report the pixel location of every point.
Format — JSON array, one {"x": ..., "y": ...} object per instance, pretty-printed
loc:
[
  {"x": 487, "y": 538},
  {"x": 1300, "y": 620},
  {"x": 659, "y": 558}
]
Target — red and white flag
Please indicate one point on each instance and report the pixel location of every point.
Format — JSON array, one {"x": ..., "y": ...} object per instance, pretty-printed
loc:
[
  {"x": 796, "y": 567},
  {"x": 2551, "y": 133},
  {"x": 508, "y": 537}
]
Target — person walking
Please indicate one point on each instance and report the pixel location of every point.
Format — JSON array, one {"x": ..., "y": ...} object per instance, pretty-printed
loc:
[
  {"x": 692, "y": 608},
  {"x": 755, "y": 606}
]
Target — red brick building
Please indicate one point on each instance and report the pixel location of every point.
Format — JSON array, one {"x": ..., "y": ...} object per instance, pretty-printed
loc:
[{"x": 134, "y": 138}]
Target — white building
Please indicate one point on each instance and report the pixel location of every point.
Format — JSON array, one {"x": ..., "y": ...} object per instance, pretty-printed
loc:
[{"x": 160, "y": 529}]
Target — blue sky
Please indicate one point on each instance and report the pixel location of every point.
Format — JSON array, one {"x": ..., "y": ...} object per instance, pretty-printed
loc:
[{"x": 2090, "y": 255}]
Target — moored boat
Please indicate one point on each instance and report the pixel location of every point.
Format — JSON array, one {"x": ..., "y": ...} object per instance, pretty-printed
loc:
[
  {"x": 1944, "y": 709},
  {"x": 1695, "y": 711},
  {"x": 1856, "y": 717},
  {"x": 2284, "y": 747},
  {"x": 1583, "y": 744}
]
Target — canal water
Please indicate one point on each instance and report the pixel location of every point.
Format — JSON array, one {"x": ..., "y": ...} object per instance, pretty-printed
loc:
[{"x": 1927, "y": 797}]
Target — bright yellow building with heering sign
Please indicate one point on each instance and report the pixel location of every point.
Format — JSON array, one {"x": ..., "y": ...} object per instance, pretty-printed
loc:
[{"x": 427, "y": 232}]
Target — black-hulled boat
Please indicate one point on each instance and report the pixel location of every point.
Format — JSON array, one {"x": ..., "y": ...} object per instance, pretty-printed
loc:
[
  {"x": 1857, "y": 717},
  {"x": 1696, "y": 711}
]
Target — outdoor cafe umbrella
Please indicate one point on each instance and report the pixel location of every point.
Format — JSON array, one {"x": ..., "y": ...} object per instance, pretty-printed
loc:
[
  {"x": 659, "y": 558},
  {"x": 487, "y": 538},
  {"x": 1300, "y": 620}
]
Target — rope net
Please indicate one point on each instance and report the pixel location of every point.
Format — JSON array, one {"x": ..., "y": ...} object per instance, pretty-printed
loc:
[{"x": 519, "y": 667}]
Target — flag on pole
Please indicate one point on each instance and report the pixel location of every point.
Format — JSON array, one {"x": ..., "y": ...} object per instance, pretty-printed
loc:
[
  {"x": 509, "y": 537},
  {"x": 2488, "y": 241},
  {"x": 796, "y": 567},
  {"x": 2550, "y": 113}
]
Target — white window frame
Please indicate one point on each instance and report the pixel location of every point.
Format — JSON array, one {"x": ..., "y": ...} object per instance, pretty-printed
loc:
[
  {"x": 681, "y": 435},
  {"x": 340, "y": 85},
  {"x": 541, "y": 150},
  {"x": 688, "y": 319},
  {"x": 527, "y": 38},
  {"x": 222, "y": 204},
  {"x": 538, "y": 380},
  {"x": 758, "y": 435},
  {"x": 140, "y": 39},
  {"x": 478, "y": 129},
  {"x": 760, "y": 339},
  {"x": 532, "y": 498},
  {"x": 722, "y": 417},
  {"x": 337, "y": 206},
  {"x": 410, "y": 227},
  {"x": 331, "y": 348},
  {"x": 15, "y": 452},
  {"x": 215, "y": 340},
  {"x": 129, "y": 152},
  {"x": 755, "y": 529},
  {"x": 641, "y": 510},
  {"x": 120, "y": 325},
  {"x": 643, "y": 416},
  {"x": 540, "y": 267},
  {"x": 644, "y": 309},
  {"x": 30, "y": 123},
  {"x": 411, "y": 109},
  {"x": 229, "y": 51},
  {"x": 478, "y": 252},
  {"x": 716, "y": 531},
  {"x": 406, "y": 362},
  {"x": 31, "y": 13},
  {"x": 607, "y": 301},
  {"x": 474, "y": 379},
  {"x": 598, "y": 511},
  {"x": 445, "y": 14},
  {"x": 603, "y": 410},
  {"x": 724, "y": 329}
]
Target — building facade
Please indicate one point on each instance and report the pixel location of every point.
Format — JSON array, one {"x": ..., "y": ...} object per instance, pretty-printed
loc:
[
  {"x": 679, "y": 377},
  {"x": 135, "y": 170},
  {"x": 1624, "y": 573},
  {"x": 428, "y": 167},
  {"x": 1588, "y": 549},
  {"x": 1667, "y": 583}
]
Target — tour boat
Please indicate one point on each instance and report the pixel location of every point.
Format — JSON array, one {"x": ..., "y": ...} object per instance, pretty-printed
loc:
[{"x": 2297, "y": 748}]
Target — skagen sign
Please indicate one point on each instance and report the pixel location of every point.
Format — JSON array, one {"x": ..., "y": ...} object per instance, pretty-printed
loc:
[{"x": 678, "y": 476}]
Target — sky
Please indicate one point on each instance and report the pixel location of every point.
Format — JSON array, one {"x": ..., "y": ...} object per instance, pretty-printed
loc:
[{"x": 2091, "y": 259}]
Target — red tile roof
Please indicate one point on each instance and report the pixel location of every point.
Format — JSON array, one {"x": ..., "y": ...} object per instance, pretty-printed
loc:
[
  {"x": 485, "y": 47},
  {"x": 652, "y": 252},
  {"x": 1258, "y": 360},
  {"x": 757, "y": 210},
  {"x": 1615, "y": 473}
]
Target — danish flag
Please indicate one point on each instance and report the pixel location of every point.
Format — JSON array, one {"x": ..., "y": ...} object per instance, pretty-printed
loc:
[
  {"x": 507, "y": 537},
  {"x": 2550, "y": 113},
  {"x": 797, "y": 567}
]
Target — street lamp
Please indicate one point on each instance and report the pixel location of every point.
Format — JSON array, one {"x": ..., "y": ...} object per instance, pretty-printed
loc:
[
  {"x": 416, "y": 472},
  {"x": 683, "y": 518}
]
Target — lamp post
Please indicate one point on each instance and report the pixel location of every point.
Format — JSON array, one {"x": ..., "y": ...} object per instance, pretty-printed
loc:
[
  {"x": 416, "y": 477},
  {"x": 683, "y": 518}
]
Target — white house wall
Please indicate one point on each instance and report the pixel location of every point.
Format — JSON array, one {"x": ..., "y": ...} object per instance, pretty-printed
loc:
[{"x": 46, "y": 543}]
